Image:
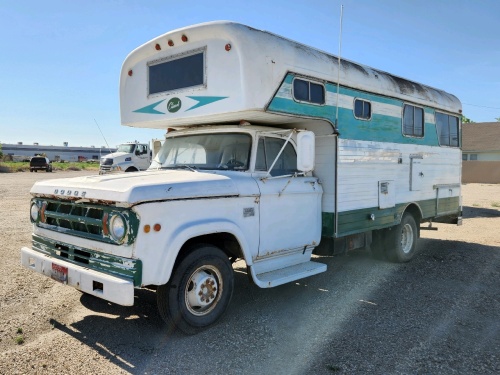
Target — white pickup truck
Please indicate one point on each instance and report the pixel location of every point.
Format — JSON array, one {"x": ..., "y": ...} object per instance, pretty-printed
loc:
[{"x": 129, "y": 157}]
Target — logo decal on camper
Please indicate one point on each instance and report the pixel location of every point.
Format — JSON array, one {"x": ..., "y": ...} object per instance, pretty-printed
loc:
[{"x": 174, "y": 105}]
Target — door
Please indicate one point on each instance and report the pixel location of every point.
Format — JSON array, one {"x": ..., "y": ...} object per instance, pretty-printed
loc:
[
  {"x": 290, "y": 206},
  {"x": 141, "y": 157},
  {"x": 416, "y": 172}
]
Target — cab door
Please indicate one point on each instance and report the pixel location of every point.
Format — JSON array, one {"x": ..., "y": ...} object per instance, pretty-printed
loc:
[
  {"x": 290, "y": 206},
  {"x": 142, "y": 160}
]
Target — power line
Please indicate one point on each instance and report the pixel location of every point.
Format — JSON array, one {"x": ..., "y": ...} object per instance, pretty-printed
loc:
[{"x": 482, "y": 106}]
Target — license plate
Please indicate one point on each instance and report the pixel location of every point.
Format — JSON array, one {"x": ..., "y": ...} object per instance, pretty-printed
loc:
[{"x": 59, "y": 273}]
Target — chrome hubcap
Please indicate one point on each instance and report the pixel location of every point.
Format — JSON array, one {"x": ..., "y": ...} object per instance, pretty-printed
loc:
[
  {"x": 203, "y": 290},
  {"x": 407, "y": 238}
]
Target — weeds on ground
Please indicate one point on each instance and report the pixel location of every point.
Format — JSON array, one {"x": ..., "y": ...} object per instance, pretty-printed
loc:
[
  {"x": 19, "y": 339},
  {"x": 495, "y": 204}
]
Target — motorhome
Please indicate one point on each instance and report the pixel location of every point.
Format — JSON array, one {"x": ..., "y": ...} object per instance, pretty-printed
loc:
[{"x": 274, "y": 150}]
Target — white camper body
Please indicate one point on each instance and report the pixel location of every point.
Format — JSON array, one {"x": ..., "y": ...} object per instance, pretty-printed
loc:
[{"x": 259, "y": 163}]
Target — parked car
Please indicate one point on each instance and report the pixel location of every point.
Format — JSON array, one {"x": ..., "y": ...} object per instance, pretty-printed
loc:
[{"x": 40, "y": 163}]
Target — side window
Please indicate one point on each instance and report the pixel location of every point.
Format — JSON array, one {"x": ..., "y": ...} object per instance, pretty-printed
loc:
[
  {"x": 413, "y": 121},
  {"x": 267, "y": 150},
  {"x": 141, "y": 150},
  {"x": 447, "y": 128},
  {"x": 473, "y": 156},
  {"x": 306, "y": 91},
  {"x": 464, "y": 157},
  {"x": 362, "y": 109}
]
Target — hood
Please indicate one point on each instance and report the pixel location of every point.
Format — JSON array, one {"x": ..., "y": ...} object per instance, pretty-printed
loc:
[
  {"x": 115, "y": 155},
  {"x": 127, "y": 189}
]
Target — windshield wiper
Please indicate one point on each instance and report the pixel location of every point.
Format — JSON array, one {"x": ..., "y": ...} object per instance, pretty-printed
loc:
[{"x": 182, "y": 166}]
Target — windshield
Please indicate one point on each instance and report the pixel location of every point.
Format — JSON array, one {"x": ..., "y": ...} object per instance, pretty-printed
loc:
[
  {"x": 126, "y": 148},
  {"x": 223, "y": 151}
]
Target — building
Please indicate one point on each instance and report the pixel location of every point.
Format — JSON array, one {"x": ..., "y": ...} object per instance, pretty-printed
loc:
[
  {"x": 481, "y": 152},
  {"x": 21, "y": 152}
]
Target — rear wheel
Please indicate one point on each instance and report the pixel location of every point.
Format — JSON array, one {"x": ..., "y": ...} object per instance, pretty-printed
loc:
[
  {"x": 402, "y": 240},
  {"x": 199, "y": 290}
]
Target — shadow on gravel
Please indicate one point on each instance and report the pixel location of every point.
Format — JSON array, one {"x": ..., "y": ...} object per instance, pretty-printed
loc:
[
  {"x": 474, "y": 212},
  {"x": 436, "y": 314},
  {"x": 439, "y": 314}
]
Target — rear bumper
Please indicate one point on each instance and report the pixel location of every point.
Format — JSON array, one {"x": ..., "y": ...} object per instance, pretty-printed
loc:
[{"x": 108, "y": 287}]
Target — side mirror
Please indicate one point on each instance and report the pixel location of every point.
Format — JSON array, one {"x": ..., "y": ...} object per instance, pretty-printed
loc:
[{"x": 305, "y": 151}]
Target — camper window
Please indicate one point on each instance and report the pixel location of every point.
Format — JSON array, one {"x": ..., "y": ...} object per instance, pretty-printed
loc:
[
  {"x": 362, "y": 109},
  {"x": 413, "y": 121},
  {"x": 306, "y": 91},
  {"x": 178, "y": 73},
  {"x": 447, "y": 128}
]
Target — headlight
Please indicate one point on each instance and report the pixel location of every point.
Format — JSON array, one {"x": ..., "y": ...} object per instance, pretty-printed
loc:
[
  {"x": 34, "y": 212},
  {"x": 117, "y": 227}
]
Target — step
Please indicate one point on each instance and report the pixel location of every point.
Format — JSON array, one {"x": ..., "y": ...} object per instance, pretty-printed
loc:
[{"x": 287, "y": 274}]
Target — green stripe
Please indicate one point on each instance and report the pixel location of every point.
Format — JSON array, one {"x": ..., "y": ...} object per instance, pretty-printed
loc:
[
  {"x": 358, "y": 221},
  {"x": 124, "y": 268}
]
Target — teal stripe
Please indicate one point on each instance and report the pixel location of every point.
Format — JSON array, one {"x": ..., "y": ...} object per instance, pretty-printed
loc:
[{"x": 381, "y": 128}]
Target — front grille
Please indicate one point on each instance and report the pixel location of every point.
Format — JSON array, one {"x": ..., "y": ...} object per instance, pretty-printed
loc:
[
  {"x": 84, "y": 220},
  {"x": 77, "y": 218}
]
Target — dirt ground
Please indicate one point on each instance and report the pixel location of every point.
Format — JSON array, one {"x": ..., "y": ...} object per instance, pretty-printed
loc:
[{"x": 439, "y": 314}]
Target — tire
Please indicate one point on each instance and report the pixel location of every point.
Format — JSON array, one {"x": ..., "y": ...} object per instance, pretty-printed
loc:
[
  {"x": 131, "y": 169},
  {"x": 31, "y": 170},
  {"x": 401, "y": 240},
  {"x": 199, "y": 290}
]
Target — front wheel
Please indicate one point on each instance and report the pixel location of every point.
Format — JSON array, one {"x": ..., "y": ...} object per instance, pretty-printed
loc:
[{"x": 199, "y": 290}]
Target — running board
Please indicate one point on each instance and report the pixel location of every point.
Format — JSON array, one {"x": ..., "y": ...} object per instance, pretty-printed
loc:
[{"x": 287, "y": 274}]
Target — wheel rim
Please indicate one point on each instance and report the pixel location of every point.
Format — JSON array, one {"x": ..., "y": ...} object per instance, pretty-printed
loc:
[
  {"x": 203, "y": 290},
  {"x": 407, "y": 238}
]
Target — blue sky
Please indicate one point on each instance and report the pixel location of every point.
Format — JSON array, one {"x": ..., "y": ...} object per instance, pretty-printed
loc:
[{"x": 60, "y": 60}]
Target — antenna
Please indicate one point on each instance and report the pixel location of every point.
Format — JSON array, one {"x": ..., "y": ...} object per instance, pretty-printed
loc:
[
  {"x": 98, "y": 127},
  {"x": 338, "y": 69}
]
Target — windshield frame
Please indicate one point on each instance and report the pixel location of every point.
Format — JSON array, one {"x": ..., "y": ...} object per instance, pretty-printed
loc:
[{"x": 215, "y": 155}]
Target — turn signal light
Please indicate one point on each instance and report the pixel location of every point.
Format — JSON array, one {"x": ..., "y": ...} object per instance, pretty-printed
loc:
[
  {"x": 157, "y": 227},
  {"x": 184, "y": 38},
  {"x": 170, "y": 42},
  {"x": 147, "y": 228}
]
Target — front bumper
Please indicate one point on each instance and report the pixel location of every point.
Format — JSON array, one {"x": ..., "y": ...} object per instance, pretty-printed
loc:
[{"x": 108, "y": 287}]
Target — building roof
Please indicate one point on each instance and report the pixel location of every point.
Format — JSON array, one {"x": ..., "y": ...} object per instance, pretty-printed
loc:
[{"x": 481, "y": 136}]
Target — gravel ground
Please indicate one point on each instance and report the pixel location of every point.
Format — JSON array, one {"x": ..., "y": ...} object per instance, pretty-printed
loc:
[{"x": 439, "y": 314}]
